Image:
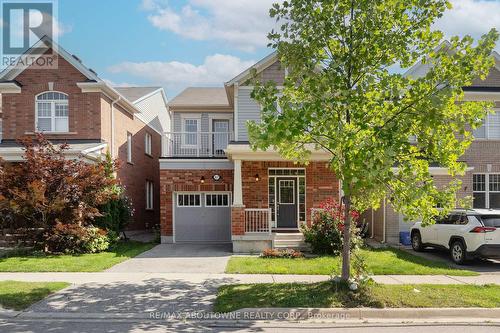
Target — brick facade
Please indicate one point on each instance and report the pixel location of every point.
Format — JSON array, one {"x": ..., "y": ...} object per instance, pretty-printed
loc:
[
  {"x": 187, "y": 181},
  {"x": 90, "y": 119}
]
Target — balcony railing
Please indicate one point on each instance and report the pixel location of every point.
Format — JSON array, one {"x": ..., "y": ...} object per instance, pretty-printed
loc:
[
  {"x": 258, "y": 221},
  {"x": 196, "y": 144}
]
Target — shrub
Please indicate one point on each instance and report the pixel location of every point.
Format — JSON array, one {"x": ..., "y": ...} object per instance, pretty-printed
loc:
[
  {"x": 325, "y": 233},
  {"x": 52, "y": 199},
  {"x": 116, "y": 214},
  {"x": 286, "y": 253},
  {"x": 74, "y": 239}
]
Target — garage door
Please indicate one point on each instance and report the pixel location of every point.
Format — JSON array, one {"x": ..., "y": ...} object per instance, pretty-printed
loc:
[{"x": 202, "y": 217}]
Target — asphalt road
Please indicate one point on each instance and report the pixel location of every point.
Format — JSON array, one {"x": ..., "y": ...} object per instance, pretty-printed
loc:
[{"x": 99, "y": 326}]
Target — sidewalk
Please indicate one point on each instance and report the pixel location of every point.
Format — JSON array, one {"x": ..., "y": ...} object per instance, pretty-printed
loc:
[{"x": 110, "y": 277}]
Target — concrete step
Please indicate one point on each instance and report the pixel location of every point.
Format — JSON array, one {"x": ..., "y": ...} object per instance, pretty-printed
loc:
[{"x": 294, "y": 236}]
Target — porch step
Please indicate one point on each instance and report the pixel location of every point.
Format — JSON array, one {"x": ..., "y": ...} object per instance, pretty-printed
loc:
[{"x": 290, "y": 241}]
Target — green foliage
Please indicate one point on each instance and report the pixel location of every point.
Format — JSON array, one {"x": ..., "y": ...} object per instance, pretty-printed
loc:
[
  {"x": 74, "y": 239},
  {"x": 324, "y": 235},
  {"x": 341, "y": 96},
  {"x": 118, "y": 211}
]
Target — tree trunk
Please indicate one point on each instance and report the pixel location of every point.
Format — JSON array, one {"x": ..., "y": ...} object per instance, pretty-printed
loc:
[{"x": 346, "y": 250}]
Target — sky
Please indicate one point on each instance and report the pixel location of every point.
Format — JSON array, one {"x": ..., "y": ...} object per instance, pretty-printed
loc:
[{"x": 181, "y": 43}]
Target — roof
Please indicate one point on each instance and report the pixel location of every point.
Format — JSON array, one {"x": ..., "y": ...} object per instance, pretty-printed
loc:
[
  {"x": 90, "y": 150},
  {"x": 201, "y": 97},
  {"x": 259, "y": 66},
  {"x": 135, "y": 93}
]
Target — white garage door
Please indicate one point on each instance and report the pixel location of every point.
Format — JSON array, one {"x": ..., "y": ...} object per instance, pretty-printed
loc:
[{"x": 202, "y": 217}]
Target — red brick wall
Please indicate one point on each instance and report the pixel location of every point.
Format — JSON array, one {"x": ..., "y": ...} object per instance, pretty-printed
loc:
[
  {"x": 84, "y": 108},
  {"x": 187, "y": 180},
  {"x": 321, "y": 183}
]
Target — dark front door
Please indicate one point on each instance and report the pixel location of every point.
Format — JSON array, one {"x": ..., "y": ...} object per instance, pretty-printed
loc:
[{"x": 287, "y": 202}]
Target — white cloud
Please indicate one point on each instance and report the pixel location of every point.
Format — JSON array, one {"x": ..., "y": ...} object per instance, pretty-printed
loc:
[
  {"x": 119, "y": 84},
  {"x": 243, "y": 24},
  {"x": 215, "y": 70},
  {"x": 470, "y": 17}
]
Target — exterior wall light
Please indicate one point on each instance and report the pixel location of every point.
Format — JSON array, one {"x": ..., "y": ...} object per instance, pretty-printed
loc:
[
  {"x": 202, "y": 180},
  {"x": 257, "y": 178}
]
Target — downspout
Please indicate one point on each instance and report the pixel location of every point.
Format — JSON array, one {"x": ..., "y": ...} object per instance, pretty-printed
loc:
[
  {"x": 112, "y": 115},
  {"x": 384, "y": 224}
]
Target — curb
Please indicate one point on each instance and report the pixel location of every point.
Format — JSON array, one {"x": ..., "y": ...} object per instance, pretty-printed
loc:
[{"x": 338, "y": 315}]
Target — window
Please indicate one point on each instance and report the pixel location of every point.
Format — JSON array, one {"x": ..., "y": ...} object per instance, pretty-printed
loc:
[
  {"x": 52, "y": 112},
  {"x": 490, "y": 128},
  {"x": 190, "y": 137},
  {"x": 147, "y": 143},
  {"x": 129, "y": 147},
  {"x": 189, "y": 200},
  {"x": 217, "y": 200},
  {"x": 149, "y": 195},
  {"x": 486, "y": 190}
]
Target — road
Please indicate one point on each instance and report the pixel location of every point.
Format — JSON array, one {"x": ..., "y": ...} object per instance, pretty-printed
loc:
[{"x": 116, "y": 326}]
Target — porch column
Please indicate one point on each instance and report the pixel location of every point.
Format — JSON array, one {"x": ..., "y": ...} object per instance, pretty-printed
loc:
[{"x": 238, "y": 187}]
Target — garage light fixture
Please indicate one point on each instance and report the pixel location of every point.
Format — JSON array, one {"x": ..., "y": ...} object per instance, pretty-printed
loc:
[
  {"x": 202, "y": 180},
  {"x": 257, "y": 177}
]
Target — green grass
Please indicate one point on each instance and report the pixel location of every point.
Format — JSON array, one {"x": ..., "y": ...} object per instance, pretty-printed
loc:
[
  {"x": 95, "y": 262},
  {"x": 328, "y": 295},
  {"x": 17, "y": 295},
  {"x": 379, "y": 261}
]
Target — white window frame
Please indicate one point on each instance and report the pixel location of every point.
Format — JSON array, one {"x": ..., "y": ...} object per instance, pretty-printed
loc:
[
  {"x": 52, "y": 116},
  {"x": 129, "y": 147},
  {"x": 217, "y": 205},
  {"x": 196, "y": 118},
  {"x": 149, "y": 195},
  {"x": 188, "y": 194},
  {"x": 487, "y": 127},
  {"x": 148, "y": 139},
  {"x": 487, "y": 190}
]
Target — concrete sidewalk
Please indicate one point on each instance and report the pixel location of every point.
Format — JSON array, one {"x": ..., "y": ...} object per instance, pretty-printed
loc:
[{"x": 112, "y": 277}]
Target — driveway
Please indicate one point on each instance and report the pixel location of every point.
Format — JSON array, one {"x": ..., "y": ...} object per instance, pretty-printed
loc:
[
  {"x": 178, "y": 258},
  {"x": 480, "y": 266}
]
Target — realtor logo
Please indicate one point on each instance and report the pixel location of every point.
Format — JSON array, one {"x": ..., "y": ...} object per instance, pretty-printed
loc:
[{"x": 28, "y": 33}]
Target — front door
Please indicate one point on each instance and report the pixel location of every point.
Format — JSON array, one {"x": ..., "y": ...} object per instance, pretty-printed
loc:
[
  {"x": 287, "y": 202},
  {"x": 220, "y": 136}
]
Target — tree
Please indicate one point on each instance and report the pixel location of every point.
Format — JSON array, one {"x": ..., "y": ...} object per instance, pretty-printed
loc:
[
  {"x": 47, "y": 188},
  {"x": 342, "y": 95}
]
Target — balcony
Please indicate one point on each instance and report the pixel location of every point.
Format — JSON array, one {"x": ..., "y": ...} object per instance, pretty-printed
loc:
[{"x": 196, "y": 144}]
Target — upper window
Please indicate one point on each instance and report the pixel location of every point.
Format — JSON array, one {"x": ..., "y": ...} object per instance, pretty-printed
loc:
[
  {"x": 147, "y": 143},
  {"x": 490, "y": 128},
  {"x": 191, "y": 132},
  {"x": 52, "y": 112}
]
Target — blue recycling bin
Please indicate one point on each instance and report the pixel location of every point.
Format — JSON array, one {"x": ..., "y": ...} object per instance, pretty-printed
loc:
[{"x": 404, "y": 238}]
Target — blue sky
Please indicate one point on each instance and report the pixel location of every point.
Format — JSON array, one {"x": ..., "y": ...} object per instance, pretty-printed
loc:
[{"x": 180, "y": 43}]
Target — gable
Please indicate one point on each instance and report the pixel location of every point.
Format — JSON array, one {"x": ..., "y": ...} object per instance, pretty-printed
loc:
[{"x": 493, "y": 79}]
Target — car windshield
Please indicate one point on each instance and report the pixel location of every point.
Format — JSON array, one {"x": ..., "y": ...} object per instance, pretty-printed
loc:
[{"x": 491, "y": 220}]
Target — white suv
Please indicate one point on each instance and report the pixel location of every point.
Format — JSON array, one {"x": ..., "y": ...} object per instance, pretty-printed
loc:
[{"x": 467, "y": 234}]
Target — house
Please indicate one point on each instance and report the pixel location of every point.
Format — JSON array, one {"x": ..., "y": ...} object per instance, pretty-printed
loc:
[
  {"x": 482, "y": 179},
  {"x": 215, "y": 188},
  {"x": 71, "y": 104}
]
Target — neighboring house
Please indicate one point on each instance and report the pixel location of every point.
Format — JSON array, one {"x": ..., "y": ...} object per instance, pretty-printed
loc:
[
  {"x": 72, "y": 104},
  {"x": 214, "y": 188},
  {"x": 482, "y": 179}
]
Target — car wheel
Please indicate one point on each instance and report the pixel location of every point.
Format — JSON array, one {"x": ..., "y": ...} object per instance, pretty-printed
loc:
[
  {"x": 416, "y": 242},
  {"x": 458, "y": 253}
]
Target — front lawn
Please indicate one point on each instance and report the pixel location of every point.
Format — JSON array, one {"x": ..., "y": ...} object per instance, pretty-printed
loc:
[
  {"x": 327, "y": 295},
  {"x": 95, "y": 262},
  {"x": 15, "y": 295},
  {"x": 386, "y": 261}
]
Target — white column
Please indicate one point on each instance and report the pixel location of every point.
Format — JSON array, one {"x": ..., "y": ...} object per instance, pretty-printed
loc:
[{"x": 238, "y": 187}]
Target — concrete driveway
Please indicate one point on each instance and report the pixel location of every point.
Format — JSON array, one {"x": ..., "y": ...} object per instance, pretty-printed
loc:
[{"x": 179, "y": 258}]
